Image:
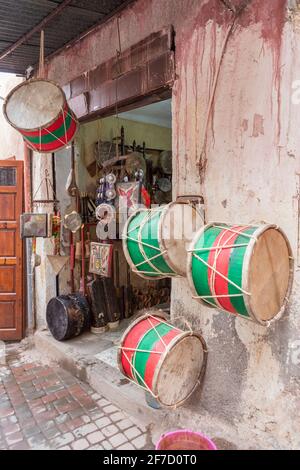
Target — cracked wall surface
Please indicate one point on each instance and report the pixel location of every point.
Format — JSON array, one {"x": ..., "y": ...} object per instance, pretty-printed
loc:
[{"x": 250, "y": 173}]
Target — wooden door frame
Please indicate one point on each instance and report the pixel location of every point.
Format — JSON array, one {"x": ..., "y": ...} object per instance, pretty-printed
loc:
[{"x": 19, "y": 319}]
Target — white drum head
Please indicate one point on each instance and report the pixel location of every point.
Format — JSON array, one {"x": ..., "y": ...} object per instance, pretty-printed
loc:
[
  {"x": 180, "y": 371},
  {"x": 34, "y": 104},
  {"x": 179, "y": 225},
  {"x": 269, "y": 275}
]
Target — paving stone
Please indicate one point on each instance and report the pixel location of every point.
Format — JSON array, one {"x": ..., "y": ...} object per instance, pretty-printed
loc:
[
  {"x": 126, "y": 446},
  {"x": 7, "y": 411},
  {"x": 115, "y": 417},
  {"x": 74, "y": 423},
  {"x": 125, "y": 424},
  {"x": 37, "y": 440},
  {"x": 63, "y": 418},
  {"x": 29, "y": 432},
  {"x": 84, "y": 430},
  {"x": 76, "y": 413},
  {"x": 131, "y": 433},
  {"x": 63, "y": 440},
  {"x": 103, "y": 402},
  {"x": 47, "y": 408},
  {"x": 52, "y": 432},
  {"x": 81, "y": 444},
  {"x": 96, "y": 414},
  {"x": 22, "y": 445},
  {"x": 96, "y": 396},
  {"x": 10, "y": 428},
  {"x": 139, "y": 442},
  {"x": 110, "y": 409},
  {"x": 118, "y": 440},
  {"x": 102, "y": 422},
  {"x": 110, "y": 430},
  {"x": 14, "y": 438},
  {"x": 95, "y": 437},
  {"x": 86, "y": 419},
  {"x": 107, "y": 445}
]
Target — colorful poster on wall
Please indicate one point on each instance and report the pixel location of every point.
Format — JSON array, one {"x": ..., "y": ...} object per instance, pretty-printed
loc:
[{"x": 101, "y": 259}]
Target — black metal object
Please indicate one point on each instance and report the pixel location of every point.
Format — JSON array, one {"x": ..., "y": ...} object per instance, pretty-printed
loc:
[
  {"x": 68, "y": 316},
  {"x": 20, "y": 27},
  {"x": 98, "y": 305},
  {"x": 111, "y": 301}
]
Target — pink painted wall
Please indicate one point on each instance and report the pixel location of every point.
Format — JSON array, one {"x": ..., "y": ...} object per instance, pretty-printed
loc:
[{"x": 251, "y": 389}]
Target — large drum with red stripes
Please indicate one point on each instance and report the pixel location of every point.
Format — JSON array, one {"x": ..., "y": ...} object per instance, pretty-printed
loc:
[
  {"x": 243, "y": 270},
  {"x": 162, "y": 359},
  {"x": 38, "y": 109}
]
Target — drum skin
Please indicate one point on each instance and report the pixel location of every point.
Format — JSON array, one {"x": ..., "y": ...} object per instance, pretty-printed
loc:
[
  {"x": 155, "y": 241},
  {"x": 150, "y": 358},
  {"x": 252, "y": 278},
  {"x": 38, "y": 109},
  {"x": 68, "y": 316}
]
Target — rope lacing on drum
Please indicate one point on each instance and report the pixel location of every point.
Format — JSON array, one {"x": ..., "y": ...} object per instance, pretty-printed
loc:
[
  {"x": 214, "y": 270},
  {"x": 141, "y": 243},
  {"x": 131, "y": 362}
]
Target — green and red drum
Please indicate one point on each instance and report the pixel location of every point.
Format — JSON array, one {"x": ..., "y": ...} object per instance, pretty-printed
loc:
[
  {"x": 162, "y": 359},
  {"x": 155, "y": 241},
  {"x": 38, "y": 109},
  {"x": 243, "y": 270}
]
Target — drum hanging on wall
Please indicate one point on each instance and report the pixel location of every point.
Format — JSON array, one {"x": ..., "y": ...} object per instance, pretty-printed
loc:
[
  {"x": 244, "y": 270},
  {"x": 155, "y": 240},
  {"x": 162, "y": 359},
  {"x": 38, "y": 109}
]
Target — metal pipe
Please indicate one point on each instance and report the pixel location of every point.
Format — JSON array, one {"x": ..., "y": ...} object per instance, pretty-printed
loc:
[
  {"x": 30, "y": 288},
  {"x": 36, "y": 29}
]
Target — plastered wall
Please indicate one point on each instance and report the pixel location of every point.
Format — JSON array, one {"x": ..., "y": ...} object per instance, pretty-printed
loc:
[{"x": 249, "y": 172}]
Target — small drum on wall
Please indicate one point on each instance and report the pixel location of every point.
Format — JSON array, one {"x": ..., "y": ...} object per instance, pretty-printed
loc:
[
  {"x": 243, "y": 270},
  {"x": 155, "y": 240},
  {"x": 38, "y": 109},
  {"x": 164, "y": 360},
  {"x": 68, "y": 316}
]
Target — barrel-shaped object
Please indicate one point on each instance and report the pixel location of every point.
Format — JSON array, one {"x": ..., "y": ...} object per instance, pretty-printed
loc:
[
  {"x": 243, "y": 270},
  {"x": 68, "y": 316},
  {"x": 38, "y": 109},
  {"x": 155, "y": 241},
  {"x": 184, "y": 439},
  {"x": 162, "y": 359}
]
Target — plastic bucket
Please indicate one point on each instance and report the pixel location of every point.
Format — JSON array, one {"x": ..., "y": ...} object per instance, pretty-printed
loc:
[{"x": 184, "y": 440}]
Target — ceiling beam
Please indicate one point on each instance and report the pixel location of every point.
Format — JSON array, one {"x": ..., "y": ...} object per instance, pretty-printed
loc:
[{"x": 36, "y": 29}]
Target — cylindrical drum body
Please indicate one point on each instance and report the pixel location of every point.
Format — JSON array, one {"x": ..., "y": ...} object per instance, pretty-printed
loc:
[
  {"x": 38, "y": 109},
  {"x": 244, "y": 270},
  {"x": 68, "y": 316},
  {"x": 155, "y": 241},
  {"x": 162, "y": 359}
]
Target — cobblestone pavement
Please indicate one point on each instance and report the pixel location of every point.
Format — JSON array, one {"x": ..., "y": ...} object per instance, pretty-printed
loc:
[{"x": 45, "y": 407}]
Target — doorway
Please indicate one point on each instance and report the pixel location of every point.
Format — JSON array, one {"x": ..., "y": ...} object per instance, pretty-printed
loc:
[
  {"x": 11, "y": 253},
  {"x": 143, "y": 136}
]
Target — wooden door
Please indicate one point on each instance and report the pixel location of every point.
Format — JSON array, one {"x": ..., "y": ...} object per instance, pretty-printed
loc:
[{"x": 11, "y": 256}]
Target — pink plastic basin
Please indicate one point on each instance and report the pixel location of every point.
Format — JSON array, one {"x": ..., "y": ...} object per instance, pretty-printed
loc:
[{"x": 185, "y": 440}]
